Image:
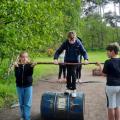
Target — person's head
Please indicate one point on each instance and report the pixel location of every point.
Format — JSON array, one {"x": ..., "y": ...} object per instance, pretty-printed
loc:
[
  {"x": 71, "y": 37},
  {"x": 24, "y": 57},
  {"x": 112, "y": 50}
]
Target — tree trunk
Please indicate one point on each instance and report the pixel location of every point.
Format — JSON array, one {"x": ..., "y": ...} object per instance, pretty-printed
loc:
[
  {"x": 119, "y": 7},
  {"x": 117, "y": 36},
  {"x": 101, "y": 33}
]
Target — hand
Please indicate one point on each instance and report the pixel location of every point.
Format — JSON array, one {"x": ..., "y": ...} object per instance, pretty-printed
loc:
[
  {"x": 98, "y": 64},
  {"x": 15, "y": 64},
  {"x": 86, "y": 62},
  {"x": 100, "y": 67},
  {"x": 56, "y": 61},
  {"x": 33, "y": 64}
]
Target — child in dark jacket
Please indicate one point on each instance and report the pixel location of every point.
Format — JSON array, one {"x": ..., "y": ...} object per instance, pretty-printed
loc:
[
  {"x": 73, "y": 48},
  {"x": 23, "y": 75}
]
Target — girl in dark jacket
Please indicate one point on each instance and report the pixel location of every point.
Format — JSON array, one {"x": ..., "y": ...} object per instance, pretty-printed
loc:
[{"x": 23, "y": 75}]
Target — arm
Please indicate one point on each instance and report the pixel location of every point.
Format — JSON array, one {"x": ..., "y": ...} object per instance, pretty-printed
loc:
[
  {"x": 33, "y": 64},
  {"x": 59, "y": 51},
  {"x": 83, "y": 51},
  {"x": 102, "y": 69},
  {"x": 16, "y": 69}
]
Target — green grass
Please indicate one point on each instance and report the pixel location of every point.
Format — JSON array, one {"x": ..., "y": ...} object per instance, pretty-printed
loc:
[
  {"x": 96, "y": 56},
  {"x": 7, "y": 94},
  {"x": 41, "y": 71},
  {"x": 7, "y": 86}
]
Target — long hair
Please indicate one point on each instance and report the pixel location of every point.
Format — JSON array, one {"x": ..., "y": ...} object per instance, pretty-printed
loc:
[{"x": 20, "y": 55}]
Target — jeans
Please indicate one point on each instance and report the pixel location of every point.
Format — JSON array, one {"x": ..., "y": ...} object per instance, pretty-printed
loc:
[
  {"x": 71, "y": 77},
  {"x": 25, "y": 101}
]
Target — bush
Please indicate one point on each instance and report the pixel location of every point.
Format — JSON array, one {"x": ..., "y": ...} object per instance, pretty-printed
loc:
[
  {"x": 50, "y": 52},
  {"x": 7, "y": 95},
  {"x": 2, "y": 103}
]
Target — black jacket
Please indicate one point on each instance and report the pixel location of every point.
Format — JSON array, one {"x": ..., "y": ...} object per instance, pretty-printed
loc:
[
  {"x": 72, "y": 51},
  {"x": 23, "y": 74}
]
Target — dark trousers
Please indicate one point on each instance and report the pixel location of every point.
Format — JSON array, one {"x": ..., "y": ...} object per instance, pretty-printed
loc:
[
  {"x": 71, "y": 77},
  {"x": 62, "y": 69},
  {"x": 78, "y": 71}
]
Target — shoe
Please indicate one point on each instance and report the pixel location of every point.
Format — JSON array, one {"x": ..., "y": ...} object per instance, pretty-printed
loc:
[
  {"x": 80, "y": 81},
  {"x": 77, "y": 80},
  {"x": 74, "y": 94},
  {"x": 67, "y": 91}
]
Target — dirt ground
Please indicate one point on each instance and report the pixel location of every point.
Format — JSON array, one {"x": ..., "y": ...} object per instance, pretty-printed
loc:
[{"x": 95, "y": 99}]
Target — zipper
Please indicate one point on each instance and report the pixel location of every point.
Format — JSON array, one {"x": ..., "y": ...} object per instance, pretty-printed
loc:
[{"x": 23, "y": 74}]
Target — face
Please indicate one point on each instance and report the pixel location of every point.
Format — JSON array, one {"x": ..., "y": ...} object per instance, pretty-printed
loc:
[
  {"x": 24, "y": 58},
  {"x": 110, "y": 54},
  {"x": 71, "y": 40}
]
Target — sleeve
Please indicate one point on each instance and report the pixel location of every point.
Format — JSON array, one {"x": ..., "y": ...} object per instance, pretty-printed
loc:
[
  {"x": 105, "y": 68},
  {"x": 59, "y": 51},
  {"x": 16, "y": 71},
  {"x": 30, "y": 69},
  {"x": 80, "y": 39},
  {"x": 83, "y": 51}
]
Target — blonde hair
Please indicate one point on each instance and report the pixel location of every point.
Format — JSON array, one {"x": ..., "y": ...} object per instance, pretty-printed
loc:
[
  {"x": 71, "y": 34},
  {"x": 20, "y": 55}
]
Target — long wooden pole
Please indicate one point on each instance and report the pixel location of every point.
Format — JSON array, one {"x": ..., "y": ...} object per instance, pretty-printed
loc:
[{"x": 67, "y": 63}]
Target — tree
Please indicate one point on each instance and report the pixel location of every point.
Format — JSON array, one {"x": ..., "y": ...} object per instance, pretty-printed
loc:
[{"x": 34, "y": 25}]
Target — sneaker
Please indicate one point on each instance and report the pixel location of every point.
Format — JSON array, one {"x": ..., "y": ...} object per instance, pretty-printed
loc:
[
  {"x": 77, "y": 80},
  {"x": 80, "y": 81},
  {"x": 74, "y": 94},
  {"x": 67, "y": 91}
]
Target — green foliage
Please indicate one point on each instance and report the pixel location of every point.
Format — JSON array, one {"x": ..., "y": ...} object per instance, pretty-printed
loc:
[
  {"x": 34, "y": 25},
  {"x": 96, "y": 35},
  {"x": 7, "y": 94},
  {"x": 1, "y": 102}
]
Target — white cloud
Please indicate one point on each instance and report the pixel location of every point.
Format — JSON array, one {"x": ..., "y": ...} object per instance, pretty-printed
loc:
[{"x": 110, "y": 8}]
